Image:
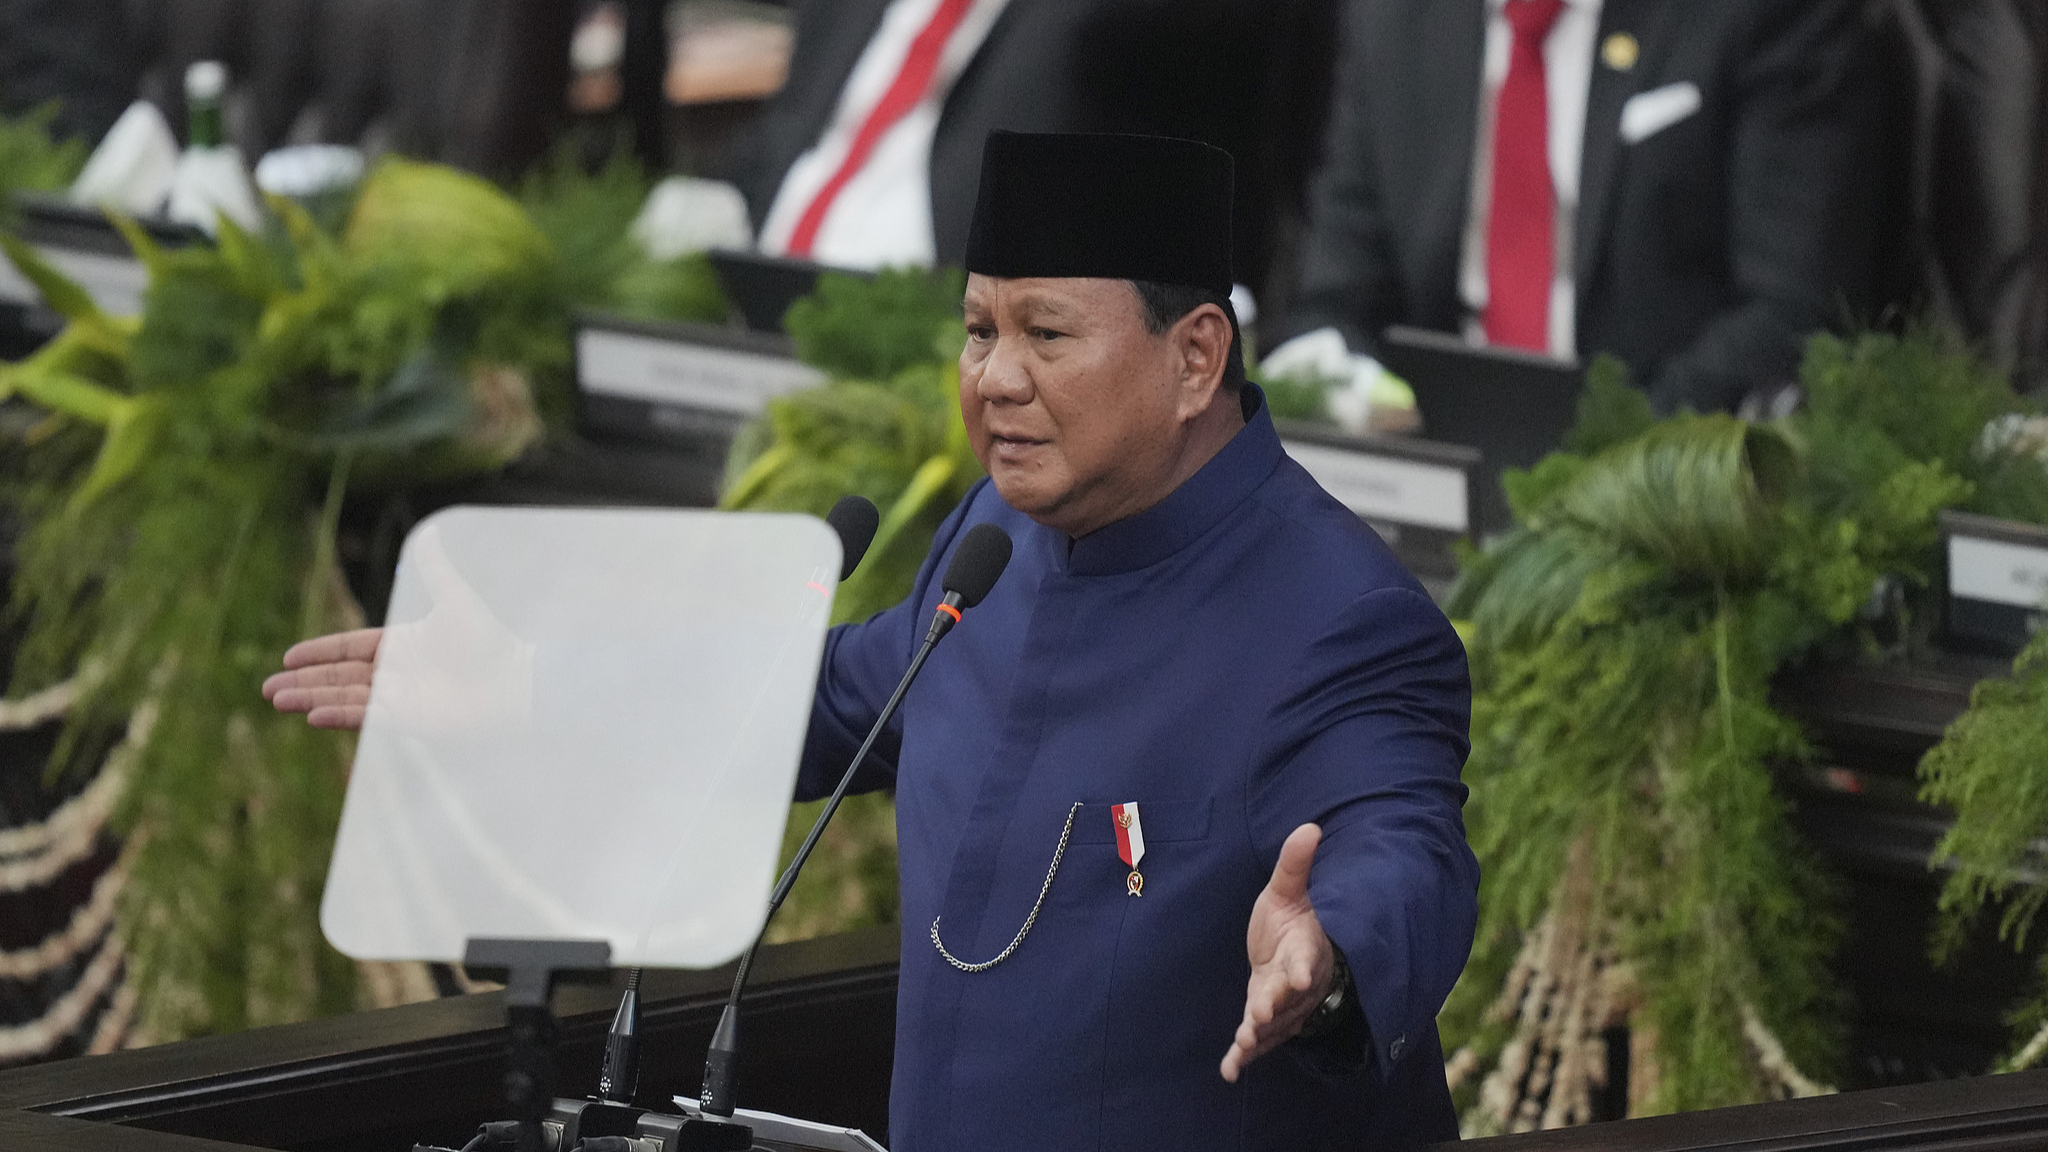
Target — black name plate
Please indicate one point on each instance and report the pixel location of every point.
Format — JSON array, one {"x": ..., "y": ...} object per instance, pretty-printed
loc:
[
  {"x": 1997, "y": 580},
  {"x": 665, "y": 381},
  {"x": 1417, "y": 494}
]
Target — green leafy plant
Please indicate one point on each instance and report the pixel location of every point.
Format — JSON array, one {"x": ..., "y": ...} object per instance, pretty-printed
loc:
[
  {"x": 31, "y": 160},
  {"x": 1881, "y": 402},
  {"x": 1991, "y": 766},
  {"x": 872, "y": 328},
  {"x": 1294, "y": 398},
  {"x": 1989, "y": 769},
  {"x": 887, "y": 427},
  {"x": 182, "y": 493},
  {"x": 1639, "y": 867},
  {"x": 1929, "y": 396},
  {"x": 588, "y": 217}
]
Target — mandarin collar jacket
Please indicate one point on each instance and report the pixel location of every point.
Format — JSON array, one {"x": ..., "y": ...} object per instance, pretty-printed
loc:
[{"x": 1242, "y": 658}]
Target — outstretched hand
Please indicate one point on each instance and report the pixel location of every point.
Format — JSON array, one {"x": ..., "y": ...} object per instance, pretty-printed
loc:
[
  {"x": 1292, "y": 960},
  {"x": 327, "y": 678},
  {"x": 458, "y": 667}
]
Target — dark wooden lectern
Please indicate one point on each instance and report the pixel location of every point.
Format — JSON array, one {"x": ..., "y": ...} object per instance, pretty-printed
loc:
[
  {"x": 819, "y": 1045},
  {"x": 820, "y": 1017}
]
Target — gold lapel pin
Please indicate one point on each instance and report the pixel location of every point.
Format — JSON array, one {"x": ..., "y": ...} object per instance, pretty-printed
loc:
[{"x": 1619, "y": 51}]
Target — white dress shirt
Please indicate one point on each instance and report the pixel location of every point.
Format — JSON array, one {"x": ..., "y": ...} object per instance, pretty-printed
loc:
[
  {"x": 883, "y": 216},
  {"x": 1567, "y": 75}
]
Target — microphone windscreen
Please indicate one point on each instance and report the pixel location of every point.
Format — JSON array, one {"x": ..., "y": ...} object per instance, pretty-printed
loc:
[
  {"x": 855, "y": 519},
  {"x": 978, "y": 563}
]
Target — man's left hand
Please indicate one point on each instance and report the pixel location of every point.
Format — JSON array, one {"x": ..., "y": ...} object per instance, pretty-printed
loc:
[{"x": 1292, "y": 961}]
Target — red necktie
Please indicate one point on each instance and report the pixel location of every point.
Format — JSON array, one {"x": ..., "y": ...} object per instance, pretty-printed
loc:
[
  {"x": 1521, "y": 225},
  {"x": 909, "y": 87}
]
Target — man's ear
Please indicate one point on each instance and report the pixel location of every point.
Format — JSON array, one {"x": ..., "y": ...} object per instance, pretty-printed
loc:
[{"x": 1202, "y": 337}]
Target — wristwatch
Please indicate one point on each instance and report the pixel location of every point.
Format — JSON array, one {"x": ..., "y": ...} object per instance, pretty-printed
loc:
[{"x": 1331, "y": 1011}]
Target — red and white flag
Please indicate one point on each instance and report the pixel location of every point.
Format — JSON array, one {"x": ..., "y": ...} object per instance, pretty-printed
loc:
[{"x": 1130, "y": 844}]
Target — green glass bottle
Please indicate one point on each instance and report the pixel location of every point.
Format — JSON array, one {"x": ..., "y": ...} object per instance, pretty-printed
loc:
[
  {"x": 206, "y": 82},
  {"x": 211, "y": 180}
]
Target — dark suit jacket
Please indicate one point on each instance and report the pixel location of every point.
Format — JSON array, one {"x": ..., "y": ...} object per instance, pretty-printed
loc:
[
  {"x": 1022, "y": 79},
  {"x": 1703, "y": 254},
  {"x": 1249, "y": 76}
]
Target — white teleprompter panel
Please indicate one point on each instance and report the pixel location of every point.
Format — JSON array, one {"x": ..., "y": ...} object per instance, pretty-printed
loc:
[{"x": 585, "y": 724}]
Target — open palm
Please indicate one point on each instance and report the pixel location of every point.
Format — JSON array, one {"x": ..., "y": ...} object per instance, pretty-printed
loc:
[{"x": 1292, "y": 960}]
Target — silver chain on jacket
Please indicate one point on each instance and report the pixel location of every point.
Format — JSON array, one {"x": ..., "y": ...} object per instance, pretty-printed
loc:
[{"x": 985, "y": 965}]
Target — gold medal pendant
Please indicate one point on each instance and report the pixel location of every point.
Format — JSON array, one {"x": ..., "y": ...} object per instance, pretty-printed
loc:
[{"x": 1135, "y": 883}]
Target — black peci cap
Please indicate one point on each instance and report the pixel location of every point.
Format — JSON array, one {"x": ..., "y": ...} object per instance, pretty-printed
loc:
[{"x": 1116, "y": 207}]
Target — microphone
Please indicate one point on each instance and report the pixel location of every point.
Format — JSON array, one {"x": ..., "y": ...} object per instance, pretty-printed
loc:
[
  {"x": 977, "y": 564},
  {"x": 855, "y": 519}
]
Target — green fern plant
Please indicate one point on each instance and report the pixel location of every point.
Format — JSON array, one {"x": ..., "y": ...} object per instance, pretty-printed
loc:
[
  {"x": 1885, "y": 402},
  {"x": 1989, "y": 769},
  {"x": 166, "y": 566},
  {"x": 1639, "y": 867}
]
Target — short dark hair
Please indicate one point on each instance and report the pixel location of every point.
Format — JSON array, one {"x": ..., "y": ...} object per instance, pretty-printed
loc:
[{"x": 1166, "y": 305}]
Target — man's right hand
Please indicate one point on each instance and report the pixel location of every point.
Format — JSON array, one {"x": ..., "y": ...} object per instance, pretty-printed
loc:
[{"x": 327, "y": 678}]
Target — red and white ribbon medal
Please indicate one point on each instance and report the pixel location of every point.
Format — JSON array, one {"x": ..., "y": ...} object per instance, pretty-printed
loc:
[{"x": 1130, "y": 844}]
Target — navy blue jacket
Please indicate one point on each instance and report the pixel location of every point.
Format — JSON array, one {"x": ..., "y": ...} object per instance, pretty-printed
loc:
[{"x": 1242, "y": 658}]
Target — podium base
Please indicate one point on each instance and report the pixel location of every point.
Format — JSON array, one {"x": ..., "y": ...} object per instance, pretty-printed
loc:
[
  {"x": 785, "y": 1133},
  {"x": 697, "y": 1133}
]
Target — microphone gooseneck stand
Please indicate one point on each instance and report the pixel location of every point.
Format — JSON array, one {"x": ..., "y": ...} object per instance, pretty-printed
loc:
[
  {"x": 855, "y": 519},
  {"x": 979, "y": 561},
  {"x": 619, "y": 1077}
]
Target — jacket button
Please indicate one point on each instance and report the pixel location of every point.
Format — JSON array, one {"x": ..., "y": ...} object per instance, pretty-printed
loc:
[{"x": 1394, "y": 1050}]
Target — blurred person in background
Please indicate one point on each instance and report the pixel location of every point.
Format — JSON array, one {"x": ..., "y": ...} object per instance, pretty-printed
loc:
[
  {"x": 1692, "y": 187},
  {"x": 869, "y": 155},
  {"x": 477, "y": 83}
]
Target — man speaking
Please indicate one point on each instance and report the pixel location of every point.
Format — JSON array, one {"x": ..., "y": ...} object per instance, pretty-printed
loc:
[{"x": 1186, "y": 787}]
